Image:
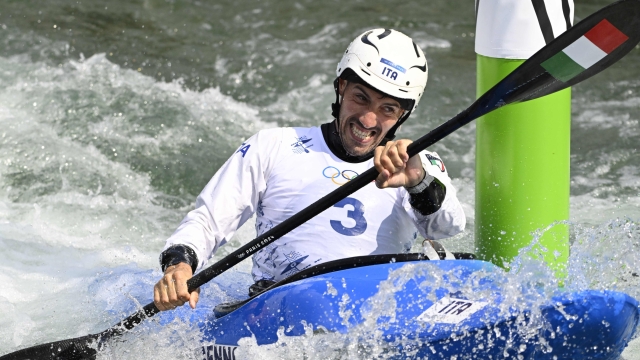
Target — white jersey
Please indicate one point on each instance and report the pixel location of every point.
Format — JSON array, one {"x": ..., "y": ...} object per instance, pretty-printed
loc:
[{"x": 279, "y": 172}]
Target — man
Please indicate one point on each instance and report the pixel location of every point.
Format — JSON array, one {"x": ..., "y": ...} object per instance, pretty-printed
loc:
[{"x": 278, "y": 172}]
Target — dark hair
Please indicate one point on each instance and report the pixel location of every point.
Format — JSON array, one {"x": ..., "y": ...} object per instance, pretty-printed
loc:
[{"x": 350, "y": 76}]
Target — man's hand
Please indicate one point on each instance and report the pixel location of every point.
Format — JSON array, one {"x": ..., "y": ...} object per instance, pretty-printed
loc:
[
  {"x": 172, "y": 290},
  {"x": 395, "y": 167}
]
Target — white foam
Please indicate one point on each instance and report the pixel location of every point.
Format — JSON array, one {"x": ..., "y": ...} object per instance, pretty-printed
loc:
[
  {"x": 73, "y": 214},
  {"x": 427, "y": 41},
  {"x": 632, "y": 352}
]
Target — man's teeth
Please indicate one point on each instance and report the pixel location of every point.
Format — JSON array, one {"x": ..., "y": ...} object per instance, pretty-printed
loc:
[{"x": 361, "y": 134}]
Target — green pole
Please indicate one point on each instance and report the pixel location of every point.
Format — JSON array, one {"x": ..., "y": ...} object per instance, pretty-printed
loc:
[{"x": 522, "y": 173}]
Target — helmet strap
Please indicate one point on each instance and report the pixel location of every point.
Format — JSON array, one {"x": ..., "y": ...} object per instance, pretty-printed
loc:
[
  {"x": 335, "y": 107},
  {"x": 391, "y": 134}
]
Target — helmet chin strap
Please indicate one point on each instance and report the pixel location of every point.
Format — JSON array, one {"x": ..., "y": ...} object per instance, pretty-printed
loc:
[
  {"x": 391, "y": 134},
  {"x": 335, "y": 112},
  {"x": 335, "y": 107}
]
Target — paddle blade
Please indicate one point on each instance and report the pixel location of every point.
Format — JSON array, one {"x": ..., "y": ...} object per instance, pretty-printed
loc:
[
  {"x": 578, "y": 54},
  {"x": 82, "y": 348}
]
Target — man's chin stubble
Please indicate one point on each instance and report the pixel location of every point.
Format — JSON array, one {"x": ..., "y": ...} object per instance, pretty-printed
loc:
[
  {"x": 351, "y": 153},
  {"x": 360, "y": 153}
]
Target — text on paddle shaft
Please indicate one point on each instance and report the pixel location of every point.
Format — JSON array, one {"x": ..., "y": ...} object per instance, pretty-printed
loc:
[{"x": 255, "y": 247}]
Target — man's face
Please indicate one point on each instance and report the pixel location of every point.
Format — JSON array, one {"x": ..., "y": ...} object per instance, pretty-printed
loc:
[{"x": 365, "y": 117}]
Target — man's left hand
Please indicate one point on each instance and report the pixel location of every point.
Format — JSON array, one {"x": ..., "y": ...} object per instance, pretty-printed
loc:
[{"x": 395, "y": 167}]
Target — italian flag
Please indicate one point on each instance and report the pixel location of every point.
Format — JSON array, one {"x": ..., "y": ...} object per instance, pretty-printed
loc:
[{"x": 590, "y": 48}]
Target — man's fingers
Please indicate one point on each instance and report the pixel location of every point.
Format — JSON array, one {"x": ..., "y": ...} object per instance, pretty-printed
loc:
[
  {"x": 394, "y": 165},
  {"x": 156, "y": 298},
  {"x": 382, "y": 179},
  {"x": 394, "y": 152},
  {"x": 160, "y": 297},
  {"x": 376, "y": 158},
  {"x": 195, "y": 296},
  {"x": 169, "y": 287},
  {"x": 397, "y": 152},
  {"x": 182, "y": 290},
  {"x": 393, "y": 156},
  {"x": 389, "y": 159},
  {"x": 402, "y": 150},
  {"x": 174, "y": 297},
  {"x": 387, "y": 164},
  {"x": 172, "y": 290},
  {"x": 165, "y": 294}
]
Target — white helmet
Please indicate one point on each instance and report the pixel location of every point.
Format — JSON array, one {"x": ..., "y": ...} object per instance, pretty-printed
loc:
[{"x": 390, "y": 62}]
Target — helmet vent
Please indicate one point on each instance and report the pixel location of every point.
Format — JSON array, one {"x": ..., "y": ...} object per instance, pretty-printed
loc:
[
  {"x": 422, "y": 68},
  {"x": 368, "y": 64},
  {"x": 407, "y": 83},
  {"x": 365, "y": 40},
  {"x": 403, "y": 90},
  {"x": 365, "y": 71},
  {"x": 384, "y": 34}
]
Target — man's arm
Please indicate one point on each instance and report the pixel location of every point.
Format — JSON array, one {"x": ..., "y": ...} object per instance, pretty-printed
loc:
[
  {"x": 432, "y": 198},
  {"x": 436, "y": 210},
  {"x": 226, "y": 203}
]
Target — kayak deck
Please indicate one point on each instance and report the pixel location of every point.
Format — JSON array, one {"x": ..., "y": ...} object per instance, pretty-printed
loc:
[{"x": 437, "y": 309}]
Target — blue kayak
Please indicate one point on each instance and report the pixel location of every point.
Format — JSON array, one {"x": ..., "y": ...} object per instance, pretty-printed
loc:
[{"x": 412, "y": 308}]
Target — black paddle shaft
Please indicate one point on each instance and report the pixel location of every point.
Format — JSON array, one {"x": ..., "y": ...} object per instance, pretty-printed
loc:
[{"x": 529, "y": 81}]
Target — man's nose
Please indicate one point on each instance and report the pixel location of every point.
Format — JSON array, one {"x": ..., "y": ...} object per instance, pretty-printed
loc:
[{"x": 369, "y": 119}]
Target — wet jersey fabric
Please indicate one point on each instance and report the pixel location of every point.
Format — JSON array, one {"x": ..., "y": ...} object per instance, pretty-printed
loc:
[{"x": 277, "y": 173}]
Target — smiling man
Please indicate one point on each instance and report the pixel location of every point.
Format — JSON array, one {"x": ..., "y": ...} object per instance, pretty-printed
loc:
[{"x": 278, "y": 172}]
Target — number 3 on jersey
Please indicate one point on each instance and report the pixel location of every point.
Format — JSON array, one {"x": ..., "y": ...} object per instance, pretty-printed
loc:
[{"x": 356, "y": 214}]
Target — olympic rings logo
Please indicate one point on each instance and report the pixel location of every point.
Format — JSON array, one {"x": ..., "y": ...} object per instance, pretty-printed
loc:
[{"x": 333, "y": 173}]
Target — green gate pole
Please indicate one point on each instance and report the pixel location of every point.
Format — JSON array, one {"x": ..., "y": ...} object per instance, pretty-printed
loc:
[{"x": 522, "y": 165}]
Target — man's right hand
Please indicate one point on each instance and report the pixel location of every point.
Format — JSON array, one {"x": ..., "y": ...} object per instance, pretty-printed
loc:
[{"x": 172, "y": 290}]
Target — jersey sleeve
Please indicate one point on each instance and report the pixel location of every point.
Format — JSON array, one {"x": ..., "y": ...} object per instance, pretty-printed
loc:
[
  {"x": 449, "y": 219},
  {"x": 230, "y": 198}
]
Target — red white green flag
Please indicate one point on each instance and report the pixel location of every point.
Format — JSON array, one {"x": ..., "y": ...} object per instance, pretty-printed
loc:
[{"x": 590, "y": 48}]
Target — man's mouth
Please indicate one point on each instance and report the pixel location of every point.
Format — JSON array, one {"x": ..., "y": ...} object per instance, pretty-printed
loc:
[{"x": 359, "y": 134}]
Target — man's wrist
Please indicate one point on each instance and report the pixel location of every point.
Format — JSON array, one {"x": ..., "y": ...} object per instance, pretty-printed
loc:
[
  {"x": 177, "y": 254},
  {"x": 171, "y": 266},
  {"x": 421, "y": 185}
]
